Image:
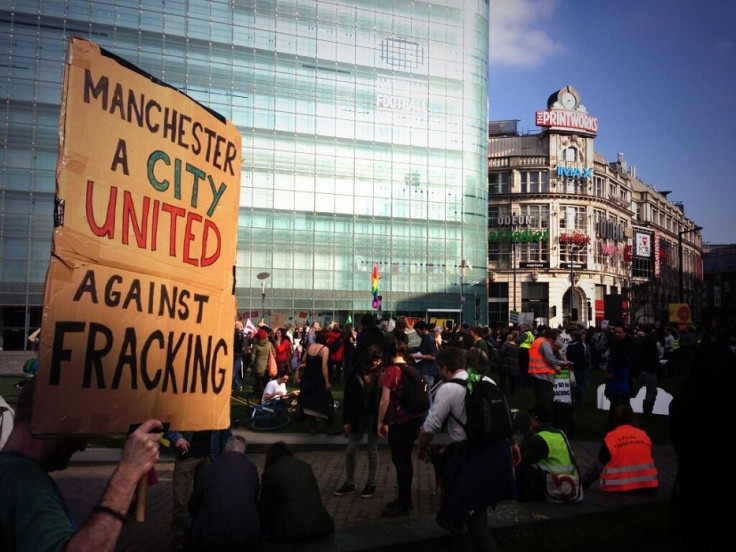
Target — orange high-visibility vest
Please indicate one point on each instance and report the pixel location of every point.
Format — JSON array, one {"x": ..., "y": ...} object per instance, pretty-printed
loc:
[
  {"x": 537, "y": 364},
  {"x": 631, "y": 465}
]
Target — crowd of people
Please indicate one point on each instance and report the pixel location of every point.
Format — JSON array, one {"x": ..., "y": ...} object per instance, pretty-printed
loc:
[{"x": 373, "y": 363}]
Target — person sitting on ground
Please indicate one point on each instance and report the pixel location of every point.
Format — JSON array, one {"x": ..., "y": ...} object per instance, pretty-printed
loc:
[
  {"x": 277, "y": 387},
  {"x": 33, "y": 514},
  {"x": 290, "y": 506},
  {"x": 625, "y": 461},
  {"x": 224, "y": 504},
  {"x": 547, "y": 470}
]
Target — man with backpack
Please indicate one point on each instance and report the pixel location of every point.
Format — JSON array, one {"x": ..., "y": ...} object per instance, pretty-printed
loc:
[
  {"x": 476, "y": 470},
  {"x": 426, "y": 354}
]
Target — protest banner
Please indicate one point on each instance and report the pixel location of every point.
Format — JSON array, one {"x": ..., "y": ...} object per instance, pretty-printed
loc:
[{"x": 139, "y": 301}]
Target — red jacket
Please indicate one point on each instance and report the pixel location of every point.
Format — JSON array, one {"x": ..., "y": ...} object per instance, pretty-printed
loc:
[{"x": 336, "y": 349}]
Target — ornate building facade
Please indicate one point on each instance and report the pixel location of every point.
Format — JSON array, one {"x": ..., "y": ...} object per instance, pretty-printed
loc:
[{"x": 576, "y": 238}]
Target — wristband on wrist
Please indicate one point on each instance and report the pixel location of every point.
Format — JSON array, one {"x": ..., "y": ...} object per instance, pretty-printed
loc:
[{"x": 110, "y": 512}]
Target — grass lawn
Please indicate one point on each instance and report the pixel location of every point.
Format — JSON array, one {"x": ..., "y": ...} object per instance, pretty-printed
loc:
[{"x": 589, "y": 424}]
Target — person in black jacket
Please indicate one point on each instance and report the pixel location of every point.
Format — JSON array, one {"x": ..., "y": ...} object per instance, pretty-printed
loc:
[
  {"x": 291, "y": 506},
  {"x": 224, "y": 503},
  {"x": 359, "y": 415},
  {"x": 369, "y": 334}
]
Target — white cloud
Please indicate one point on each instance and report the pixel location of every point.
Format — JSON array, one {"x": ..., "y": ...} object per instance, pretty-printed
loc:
[{"x": 518, "y": 32}]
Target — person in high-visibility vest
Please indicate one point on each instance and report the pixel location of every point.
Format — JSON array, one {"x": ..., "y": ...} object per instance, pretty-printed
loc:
[
  {"x": 625, "y": 461},
  {"x": 547, "y": 470},
  {"x": 524, "y": 340},
  {"x": 543, "y": 365}
]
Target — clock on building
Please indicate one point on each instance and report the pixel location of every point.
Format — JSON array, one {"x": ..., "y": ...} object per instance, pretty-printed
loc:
[
  {"x": 568, "y": 100},
  {"x": 565, "y": 98}
]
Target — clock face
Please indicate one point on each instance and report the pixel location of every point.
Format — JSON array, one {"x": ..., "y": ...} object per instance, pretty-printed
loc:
[{"x": 568, "y": 100}]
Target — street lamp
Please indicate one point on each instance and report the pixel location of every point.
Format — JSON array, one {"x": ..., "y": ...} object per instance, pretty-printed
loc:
[
  {"x": 262, "y": 277},
  {"x": 475, "y": 284},
  {"x": 679, "y": 255},
  {"x": 572, "y": 279}
]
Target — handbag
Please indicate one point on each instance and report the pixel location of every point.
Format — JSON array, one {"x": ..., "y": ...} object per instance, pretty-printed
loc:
[{"x": 272, "y": 368}]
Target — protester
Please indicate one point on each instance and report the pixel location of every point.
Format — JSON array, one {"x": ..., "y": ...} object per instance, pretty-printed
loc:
[
  {"x": 290, "y": 506},
  {"x": 547, "y": 470},
  {"x": 699, "y": 417},
  {"x": 509, "y": 366},
  {"x": 261, "y": 349},
  {"x": 617, "y": 373},
  {"x": 369, "y": 334},
  {"x": 543, "y": 365},
  {"x": 625, "y": 461},
  {"x": 644, "y": 367},
  {"x": 524, "y": 340},
  {"x": 195, "y": 450},
  {"x": 315, "y": 389},
  {"x": 283, "y": 350},
  {"x": 277, "y": 386},
  {"x": 401, "y": 428},
  {"x": 224, "y": 504},
  {"x": 238, "y": 350},
  {"x": 33, "y": 513},
  {"x": 578, "y": 352},
  {"x": 359, "y": 414},
  {"x": 475, "y": 476},
  {"x": 426, "y": 354}
]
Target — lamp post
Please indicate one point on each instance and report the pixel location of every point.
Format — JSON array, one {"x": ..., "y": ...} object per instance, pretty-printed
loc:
[
  {"x": 572, "y": 278},
  {"x": 679, "y": 256},
  {"x": 262, "y": 277},
  {"x": 462, "y": 290},
  {"x": 475, "y": 300},
  {"x": 513, "y": 269}
]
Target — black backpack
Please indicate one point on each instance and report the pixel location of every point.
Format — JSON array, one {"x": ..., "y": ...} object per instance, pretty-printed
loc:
[
  {"x": 489, "y": 415},
  {"x": 414, "y": 390}
]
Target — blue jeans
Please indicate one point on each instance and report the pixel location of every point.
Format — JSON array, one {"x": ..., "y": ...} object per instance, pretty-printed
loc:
[{"x": 237, "y": 367}]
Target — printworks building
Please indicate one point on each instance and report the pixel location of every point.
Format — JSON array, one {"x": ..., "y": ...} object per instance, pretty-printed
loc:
[{"x": 560, "y": 213}]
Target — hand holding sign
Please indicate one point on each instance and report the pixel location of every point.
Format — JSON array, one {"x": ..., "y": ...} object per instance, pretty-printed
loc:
[{"x": 140, "y": 454}]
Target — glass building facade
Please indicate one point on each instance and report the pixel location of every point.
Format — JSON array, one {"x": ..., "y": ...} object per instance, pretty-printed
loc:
[{"x": 364, "y": 130}]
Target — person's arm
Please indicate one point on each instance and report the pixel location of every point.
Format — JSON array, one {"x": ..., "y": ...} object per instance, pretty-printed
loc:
[
  {"x": 547, "y": 351},
  {"x": 604, "y": 455},
  {"x": 533, "y": 449},
  {"x": 382, "y": 409},
  {"x": 425, "y": 438},
  {"x": 102, "y": 529},
  {"x": 325, "y": 354}
]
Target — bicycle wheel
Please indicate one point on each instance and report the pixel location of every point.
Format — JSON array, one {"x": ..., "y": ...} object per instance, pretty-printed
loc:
[{"x": 270, "y": 422}]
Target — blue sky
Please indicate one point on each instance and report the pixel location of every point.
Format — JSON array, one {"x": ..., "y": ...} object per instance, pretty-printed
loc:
[{"x": 660, "y": 76}]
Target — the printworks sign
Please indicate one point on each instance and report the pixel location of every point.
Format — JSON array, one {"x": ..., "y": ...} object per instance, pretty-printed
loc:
[{"x": 139, "y": 301}]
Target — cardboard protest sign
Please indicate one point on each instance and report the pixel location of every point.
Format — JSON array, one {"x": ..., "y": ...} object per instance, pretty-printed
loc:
[{"x": 139, "y": 302}]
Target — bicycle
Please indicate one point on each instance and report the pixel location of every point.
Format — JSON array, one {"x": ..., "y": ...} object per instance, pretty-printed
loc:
[{"x": 271, "y": 415}]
